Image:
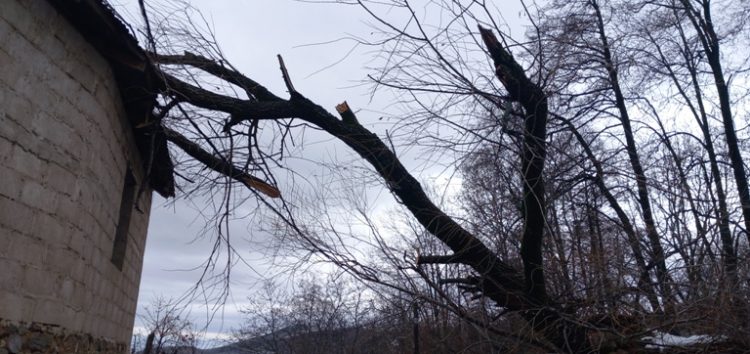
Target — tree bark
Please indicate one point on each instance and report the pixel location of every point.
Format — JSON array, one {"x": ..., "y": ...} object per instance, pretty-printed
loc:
[{"x": 534, "y": 102}]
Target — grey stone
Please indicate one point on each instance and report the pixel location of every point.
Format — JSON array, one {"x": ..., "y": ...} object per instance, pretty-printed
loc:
[
  {"x": 40, "y": 342},
  {"x": 14, "y": 343}
]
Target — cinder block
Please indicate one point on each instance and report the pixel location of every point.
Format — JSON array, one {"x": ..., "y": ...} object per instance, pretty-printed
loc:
[
  {"x": 86, "y": 200},
  {"x": 18, "y": 47},
  {"x": 89, "y": 278},
  {"x": 57, "y": 134},
  {"x": 7, "y": 235},
  {"x": 36, "y": 67},
  {"x": 39, "y": 282},
  {"x": 10, "y": 188},
  {"x": 97, "y": 261},
  {"x": 28, "y": 86},
  {"x": 67, "y": 315},
  {"x": 28, "y": 251},
  {"x": 78, "y": 298},
  {"x": 60, "y": 180},
  {"x": 64, "y": 261},
  {"x": 45, "y": 13},
  {"x": 17, "y": 16},
  {"x": 52, "y": 311},
  {"x": 85, "y": 75},
  {"x": 65, "y": 86},
  {"x": 77, "y": 243},
  {"x": 78, "y": 270},
  {"x": 106, "y": 93},
  {"x": 25, "y": 162},
  {"x": 51, "y": 230},
  {"x": 89, "y": 228},
  {"x": 86, "y": 103},
  {"x": 65, "y": 111},
  {"x": 8, "y": 77},
  {"x": 89, "y": 249},
  {"x": 60, "y": 158},
  {"x": 6, "y": 145},
  {"x": 67, "y": 211},
  {"x": 66, "y": 290},
  {"x": 16, "y": 110},
  {"x": 35, "y": 195},
  {"x": 5, "y": 94},
  {"x": 15, "y": 307},
  {"x": 15, "y": 215},
  {"x": 78, "y": 321},
  {"x": 38, "y": 27},
  {"x": 7, "y": 32},
  {"x": 11, "y": 275}
]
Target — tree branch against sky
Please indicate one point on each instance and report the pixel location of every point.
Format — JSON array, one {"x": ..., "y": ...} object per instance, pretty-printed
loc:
[{"x": 575, "y": 95}]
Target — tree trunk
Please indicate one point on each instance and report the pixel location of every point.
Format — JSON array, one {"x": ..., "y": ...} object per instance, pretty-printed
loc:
[
  {"x": 701, "y": 118},
  {"x": 500, "y": 282},
  {"x": 644, "y": 282},
  {"x": 703, "y": 25},
  {"x": 658, "y": 257}
]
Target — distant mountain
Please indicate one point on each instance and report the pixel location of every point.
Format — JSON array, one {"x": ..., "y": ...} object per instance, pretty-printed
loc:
[
  {"x": 179, "y": 350},
  {"x": 258, "y": 345},
  {"x": 299, "y": 339}
]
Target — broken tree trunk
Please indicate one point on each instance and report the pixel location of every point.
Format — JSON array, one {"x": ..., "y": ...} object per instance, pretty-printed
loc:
[{"x": 501, "y": 282}]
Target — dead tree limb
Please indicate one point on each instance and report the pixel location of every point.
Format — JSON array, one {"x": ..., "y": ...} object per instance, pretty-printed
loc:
[
  {"x": 501, "y": 282},
  {"x": 565, "y": 334},
  {"x": 218, "y": 164},
  {"x": 437, "y": 259}
]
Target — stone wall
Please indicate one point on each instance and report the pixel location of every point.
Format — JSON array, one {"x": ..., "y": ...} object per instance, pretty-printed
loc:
[
  {"x": 65, "y": 147},
  {"x": 50, "y": 339}
]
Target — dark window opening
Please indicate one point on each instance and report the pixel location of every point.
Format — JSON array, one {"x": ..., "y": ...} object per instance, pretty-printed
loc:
[{"x": 123, "y": 223}]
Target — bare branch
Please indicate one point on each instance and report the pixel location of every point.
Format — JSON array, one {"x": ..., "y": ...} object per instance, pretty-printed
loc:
[
  {"x": 220, "y": 165},
  {"x": 219, "y": 70}
]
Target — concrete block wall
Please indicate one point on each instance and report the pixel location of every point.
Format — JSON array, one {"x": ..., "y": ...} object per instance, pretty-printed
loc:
[{"x": 65, "y": 146}]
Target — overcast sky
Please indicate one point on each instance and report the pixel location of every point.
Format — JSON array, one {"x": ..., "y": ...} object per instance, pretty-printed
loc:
[
  {"x": 251, "y": 33},
  {"x": 326, "y": 67}
]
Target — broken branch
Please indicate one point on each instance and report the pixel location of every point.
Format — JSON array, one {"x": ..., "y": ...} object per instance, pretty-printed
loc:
[
  {"x": 253, "y": 88},
  {"x": 285, "y": 75},
  {"x": 220, "y": 165},
  {"x": 346, "y": 113},
  {"x": 438, "y": 259}
]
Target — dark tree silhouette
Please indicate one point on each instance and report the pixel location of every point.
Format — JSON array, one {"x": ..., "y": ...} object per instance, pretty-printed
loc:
[{"x": 618, "y": 242}]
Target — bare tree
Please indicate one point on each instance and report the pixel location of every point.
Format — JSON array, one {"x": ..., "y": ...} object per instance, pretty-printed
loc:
[
  {"x": 578, "y": 190},
  {"x": 169, "y": 332}
]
